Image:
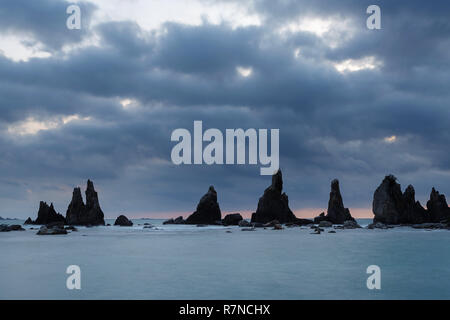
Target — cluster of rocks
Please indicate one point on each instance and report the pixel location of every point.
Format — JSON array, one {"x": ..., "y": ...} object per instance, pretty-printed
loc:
[
  {"x": 78, "y": 213},
  {"x": 8, "y": 228},
  {"x": 392, "y": 207}
]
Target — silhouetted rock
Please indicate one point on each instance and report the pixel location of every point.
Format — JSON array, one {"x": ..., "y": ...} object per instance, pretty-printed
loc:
[
  {"x": 178, "y": 220},
  {"x": 351, "y": 224},
  {"x": 325, "y": 224},
  {"x": 208, "y": 210},
  {"x": 232, "y": 219},
  {"x": 123, "y": 221},
  {"x": 274, "y": 205},
  {"x": 336, "y": 212},
  {"x": 47, "y": 214},
  {"x": 388, "y": 204},
  {"x": 437, "y": 207},
  {"x": 80, "y": 214},
  {"x": 413, "y": 212}
]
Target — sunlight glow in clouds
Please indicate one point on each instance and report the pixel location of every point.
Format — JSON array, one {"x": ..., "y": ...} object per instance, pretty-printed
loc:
[
  {"x": 353, "y": 65},
  {"x": 31, "y": 126},
  {"x": 245, "y": 72},
  {"x": 390, "y": 139}
]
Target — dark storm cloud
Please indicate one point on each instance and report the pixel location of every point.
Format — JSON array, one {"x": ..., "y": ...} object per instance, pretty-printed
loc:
[
  {"x": 44, "y": 21},
  {"x": 331, "y": 124}
]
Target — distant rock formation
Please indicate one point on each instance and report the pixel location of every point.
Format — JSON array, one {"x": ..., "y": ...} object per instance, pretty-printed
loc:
[
  {"x": 274, "y": 205},
  {"x": 390, "y": 206},
  {"x": 123, "y": 221},
  {"x": 232, "y": 219},
  {"x": 208, "y": 210},
  {"x": 336, "y": 212},
  {"x": 80, "y": 214},
  {"x": 437, "y": 207},
  {"x": 46, "y": 215}
]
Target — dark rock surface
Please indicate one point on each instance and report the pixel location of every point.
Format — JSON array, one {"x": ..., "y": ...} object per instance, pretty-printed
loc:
[
  {"x": 337, "y": 213},
  {"x": 413, "y": 210},
  {"x": 232, "y": 219},
  {"x": 44, "y": 230},
  {"x": 80, "y": 214},
  {"x": 8, "y": 228},
  {"x": 320, "y": 217},
  {"x": 244, "y": 223},
  {"x": 208, "y": 210},
  {"x": 46, "y": 214},
  {"x": 274, "y": 205},
  {"x": 123, "y": 221},
  {"x": 178, "y": 220},
  {"x": 437, "y": 207}
]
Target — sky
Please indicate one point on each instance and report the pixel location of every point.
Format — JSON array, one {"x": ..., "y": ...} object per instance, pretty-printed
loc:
[{"x": 101, "y": 102}]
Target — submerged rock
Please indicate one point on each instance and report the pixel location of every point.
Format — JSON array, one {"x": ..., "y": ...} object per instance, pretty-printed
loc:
[
  {"x": 123, "y": 221},
  {"x": 8, "y": 228},
  {"x": 244, "y": 223},
  {"x": 351, "y": 224},
  {"x": 274, "y": 205},
  {"x": 208, "y": 210},
  {"x": 178, "y": 220},
  {"x": 325, "y": 224},
  {"x": 44, "y": 230},
  {"x": 80, "y": 214},
  {"x": 232, "y": 219}
]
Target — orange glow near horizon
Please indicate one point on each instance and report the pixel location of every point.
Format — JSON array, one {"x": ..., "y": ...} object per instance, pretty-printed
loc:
[{"x": 305, "y": 213}]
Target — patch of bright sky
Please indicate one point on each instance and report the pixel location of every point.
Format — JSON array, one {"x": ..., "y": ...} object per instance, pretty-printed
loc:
[
  {"x": 353, "y": 65},
  {"x": 32, "y": 126},
  {"x": 14, "y": 48},
  {"x": 152, "y": 14}
]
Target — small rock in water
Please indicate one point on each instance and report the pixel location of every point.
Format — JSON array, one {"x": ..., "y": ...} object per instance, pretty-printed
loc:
[
  {"x": 244, "y": 223},
  {"x": 248, "y": 229},
  {"x": 277, "y": 227},
  {"x": 325, "y": 224},
  {"x": 123, "y": 221},
  {"x": 51, "y": 231}
]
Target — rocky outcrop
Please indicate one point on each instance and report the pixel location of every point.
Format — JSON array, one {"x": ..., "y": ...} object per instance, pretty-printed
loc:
[
  {"x": 392, "y": 207},
  {"x": 337, "y": 213},
  {"x": 437, "y": 207},
  {"x": 232, "y": 219},
  {"x": 244, "y": 223},
  {"x": 413, "y": 211},
  {"x": 208, "y": 210},
  {"x": 8, "y": 228},
  {"x": 274, "y": 205},
  {"x": 123, "y": 221},
  {"x": 178, "y": 220},
  {"x": 80, "y": 214},
  {"x": 388, "y": 204},
  {"x": 46, "y": 215}
]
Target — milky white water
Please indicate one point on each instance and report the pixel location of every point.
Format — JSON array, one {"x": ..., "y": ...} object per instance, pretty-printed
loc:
[{"x": 189, "y": 262}]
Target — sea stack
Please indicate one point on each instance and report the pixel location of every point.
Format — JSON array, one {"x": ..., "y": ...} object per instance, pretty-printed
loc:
[
  {"x": 390, "y": 206},
  {"x": 123, "y": 221},
  {"x": 274, "y": 205},
  {"x": 337, "y": 213},
  {"x": 80, "y": 214},
  {"x": 208, "y": 210},
  {"x": 47, "y": 215},
  {"x": 438, "y": 207}
]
